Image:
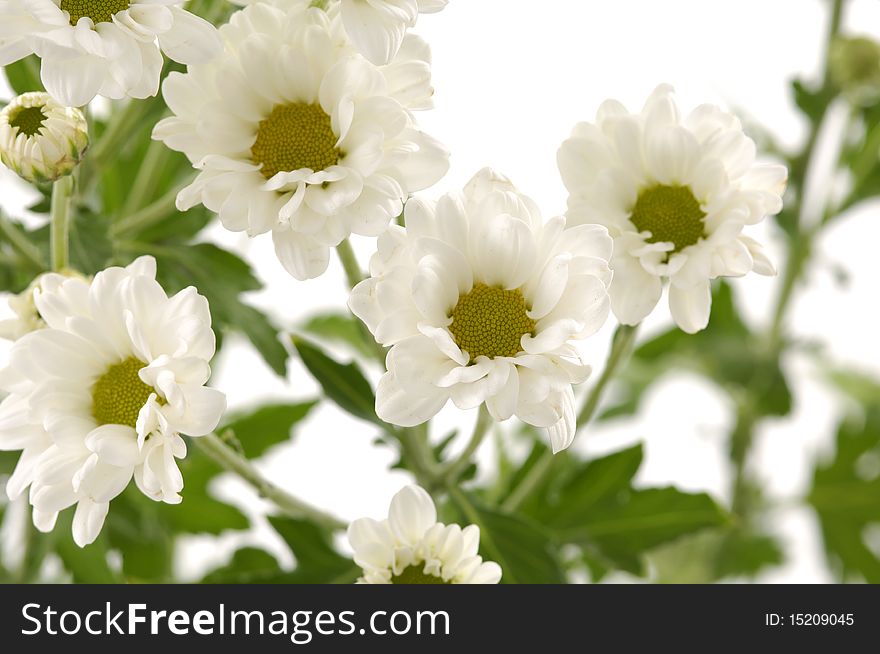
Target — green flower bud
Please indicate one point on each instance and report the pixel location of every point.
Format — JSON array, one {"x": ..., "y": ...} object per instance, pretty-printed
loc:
[
  {"x": 855, "y": 68},
  {"x": 40, "y": 139}
]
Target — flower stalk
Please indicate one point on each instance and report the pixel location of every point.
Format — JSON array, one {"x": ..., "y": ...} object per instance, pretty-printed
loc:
[{"x": 62, "y": 201}]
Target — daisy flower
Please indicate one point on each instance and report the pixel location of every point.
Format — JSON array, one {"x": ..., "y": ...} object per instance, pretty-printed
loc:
[
  {"x": 378, "y": 27},
  {"x": 103, "y": 392},
  {"x": 40, "y": 139},
  {"x": 102, "y": 47},
  {"x": 481, "y": 301},
  {"x": 675, "y": 194},
  {"x": 296, "y": 134},
  {"x": 411, "y": 547}
]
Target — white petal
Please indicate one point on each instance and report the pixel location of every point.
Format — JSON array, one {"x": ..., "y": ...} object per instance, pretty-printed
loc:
[
  {"x": 411, "y": 514},
  {"x": 191, "y": 39},
  {"x": 690, "y": 307}
]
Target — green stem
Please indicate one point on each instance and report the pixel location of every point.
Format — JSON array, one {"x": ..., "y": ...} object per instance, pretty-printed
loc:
[
  {"x": 21, "y": 244},
  {"x": 621, "y": 347},
  {"x": 414, "y": 442},
  {"x": 145, "y": 181},
  {"x": 454, "y": 469},
  {"x": 59, "y": 231},
  {"x": 224, "y": 455},
  {"x": 353, "y": 272},
  {"x": 147, "y": 216},
  {"x": 529, "y": 483}
]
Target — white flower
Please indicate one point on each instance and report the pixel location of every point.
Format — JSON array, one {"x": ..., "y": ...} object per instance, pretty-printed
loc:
[
  {"x": 27, "y": 319},
  {"x": 295, "y": 133},
  {"x": 480, "y": 300},
  {"x": 675, "y": 193},
  {"x": 102, "y": 47},
  {"x": 40, "y": 139},
  {"x": 104, "y": 391},
  {"x": 411, "y": 547},
  {"x": 378, "y": 27}
]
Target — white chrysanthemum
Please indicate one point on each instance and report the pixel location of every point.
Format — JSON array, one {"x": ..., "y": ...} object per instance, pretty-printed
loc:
[
  {"x": 295, "y": 133},
  {"x": 378, "y": 27},
  {"x": 40, "y": 139},
  {"x": 481, "y": 301},
  {"x": 675, "y": 193},
  {"x": 102, "y": 47},
  {"x": 104, "y": 391},
  {"x": 411, "y": 547},
  {"x": 27, "y": 319}
]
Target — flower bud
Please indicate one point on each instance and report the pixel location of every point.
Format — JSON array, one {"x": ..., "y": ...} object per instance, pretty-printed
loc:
[
  {"x": 855, "y": 68},
  {"x": 40, "y": 139}
]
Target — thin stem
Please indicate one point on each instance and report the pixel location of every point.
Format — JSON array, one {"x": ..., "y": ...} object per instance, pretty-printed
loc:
[
  {"x": 62, "y": 198},
  {"x": 529, "y": 483},
  {"x": 353, "y": 272},
  {"x": 414, "y": 441},
  {"x": 145, "y": 180},
  {"x": 452, "y": 471},
  {"x": 215, "y": 447},
  {"x": 20, "y": 243},
  {"x": 148, "y": 216},
  {"x": 621, "y": 347}
]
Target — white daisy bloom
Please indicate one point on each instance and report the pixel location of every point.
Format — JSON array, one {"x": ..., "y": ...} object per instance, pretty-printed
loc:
[
  {"x": 481, "y": 301},
  {"x": 295, "y": 133},
  {"x": 675, "y": 194},
  {"x": 102, "y": 47},
  {"x": 378, "y": 27},
  {"x": 27, "y": 319},
  {"x": 40, "y": 139},
  {"x": 411, "y": 547},
  {"x": 104, "y": 391}
]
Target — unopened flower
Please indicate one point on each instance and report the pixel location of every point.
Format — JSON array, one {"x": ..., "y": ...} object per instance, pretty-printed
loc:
[
  {"x": 676, "y": 194},
  {"x": 855, "y": 68},
  {"x": 104, "y": 391},
  {"x": 411, "y": 547},
  {"x": 481, "y": 302},
  {"x": 102, "y": 47},
  {"x": 296, "y": 134},
  {"x": 40, "y": 139}
]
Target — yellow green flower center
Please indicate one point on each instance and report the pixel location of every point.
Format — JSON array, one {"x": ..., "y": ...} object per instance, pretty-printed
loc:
[
  {"x": 415, "y": 575},
  {"x": 119, "y": 394},
  {"x": 671, "y": 213},
  {"x": 28, "y": 120},
  {"x": 295, "y": 136},
  {"x": 490, "y": 321},
  {"x": 100, "y": 11}
]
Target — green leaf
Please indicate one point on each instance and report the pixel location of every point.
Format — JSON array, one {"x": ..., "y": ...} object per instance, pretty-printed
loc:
[
  {"x": 345, "y": 384},
  {"x": 812, "y": 103},
  {"x": 134, "y": 528},
  {"x": 200, "y": 512},
  {"x": 24, "y": 75},
  {"x": 316, "y": 560},
  {"x": 88, "y": 564},
  {"x": 844, "y": 495},
  {"x": 338, "y": 328},
  {"x": 249, "y": 565},
  {"x": 222, "y": 277},
  {"x": 524, "y": 550},
  {"x": 268, "y": 425}
]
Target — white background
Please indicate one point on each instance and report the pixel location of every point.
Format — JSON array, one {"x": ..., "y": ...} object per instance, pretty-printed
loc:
[{"x": 511, "y": 79}]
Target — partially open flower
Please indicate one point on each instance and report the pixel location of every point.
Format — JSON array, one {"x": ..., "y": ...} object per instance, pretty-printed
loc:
[
  {"x": 27, "y": 318},
  {"x": 103, "y": 393},
  {"x": 411, "y": 547},
  {"x": 40, "y": 139}
]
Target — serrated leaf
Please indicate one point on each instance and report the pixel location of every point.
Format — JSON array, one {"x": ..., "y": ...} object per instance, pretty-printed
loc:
[
  {"x": 249, "y": 565},
  {"x": 524, "y": 550},
  {"x": 222, "y": 277},
  {"x": 844, "y": 495},
  {"x": 316, "y": 559},
  {"x": 345, "y": 384},
  {"x": 338, "y": 328},
  {"x": 268, "y": 425}
]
